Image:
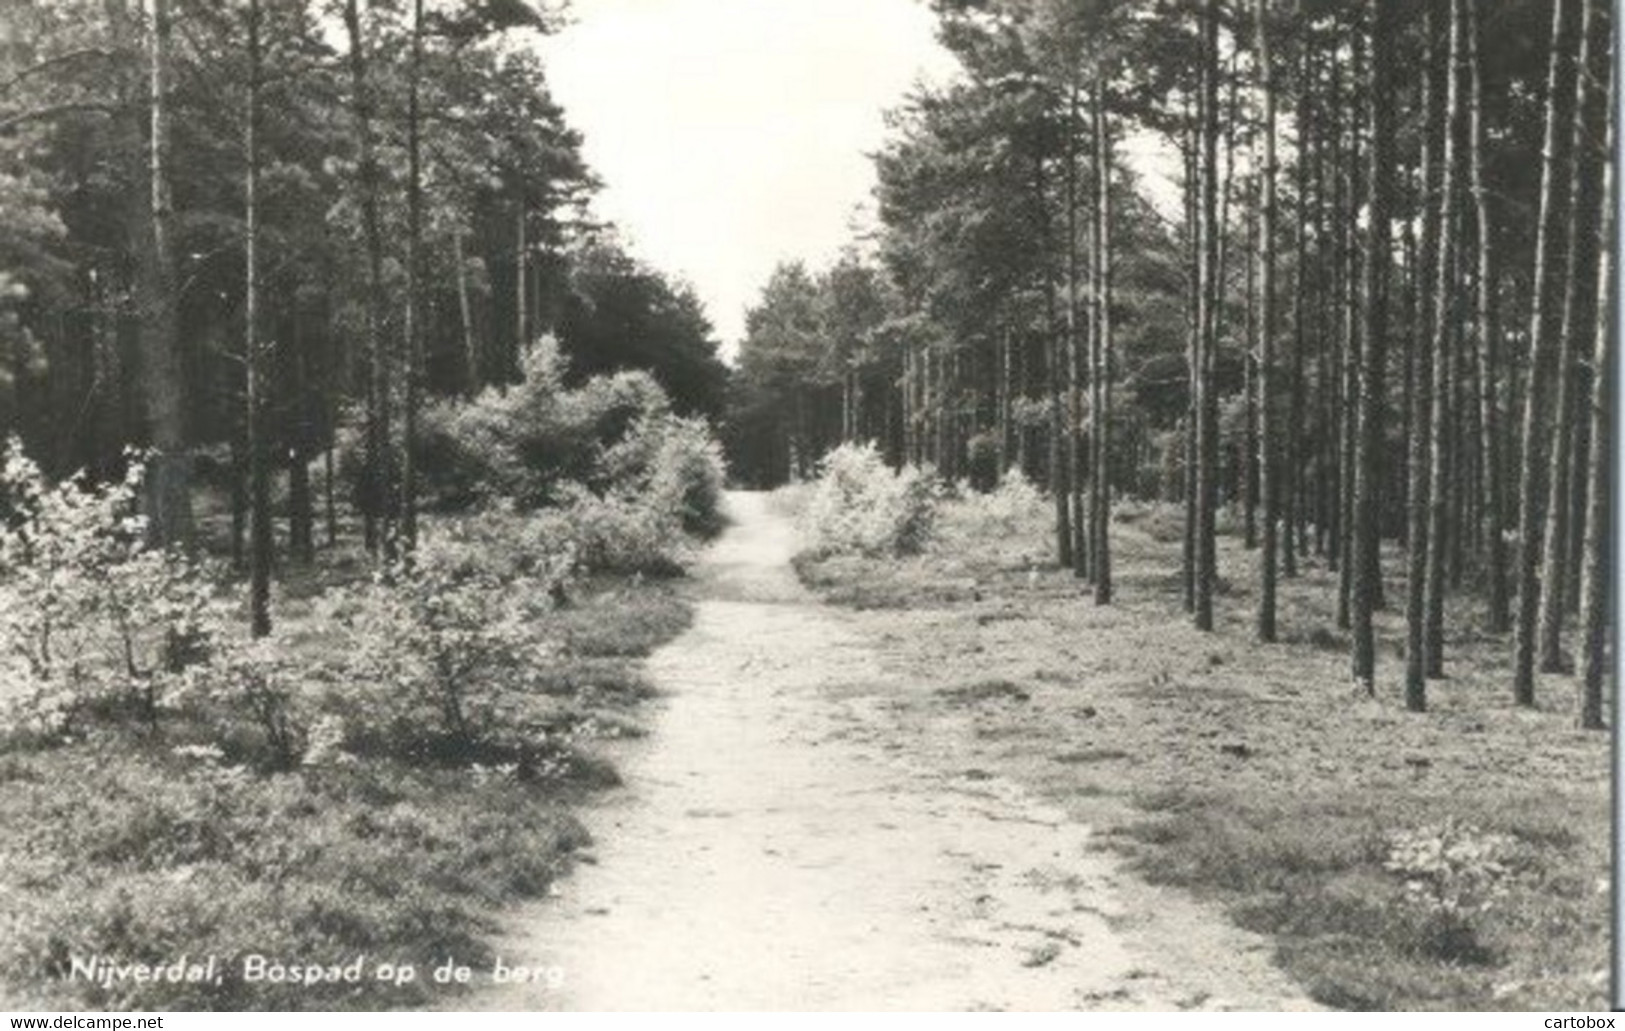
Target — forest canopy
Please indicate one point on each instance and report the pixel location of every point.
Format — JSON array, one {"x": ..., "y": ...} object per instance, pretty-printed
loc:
[{"x": 388, "y": 191}]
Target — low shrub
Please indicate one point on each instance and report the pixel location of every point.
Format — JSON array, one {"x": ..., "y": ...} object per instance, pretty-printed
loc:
[
  {"x": 607, "y": 466},
  {"x": 1016, "y": 507},
  {"x": 256, "y": 698},
  {"x": 861, "y": 505},
  {"x": 440, "y": 652},
  {"x": 90, "y": 616},
  {"x": 536, "y": 443},
  {"x": 369, "y": 783},
  {"x": 688, "y": 475},
  {"x": 616, "y": 533}
]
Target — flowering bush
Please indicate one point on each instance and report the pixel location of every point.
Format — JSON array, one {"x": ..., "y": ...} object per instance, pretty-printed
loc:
[
  {"x": 440, "y": 653},
  {"x": 617, "y": 533},
  {"x": 1452, "y": 869},
  {"x": 257, "y": 680},
  {"x": 672, "y": 464},
  {"x": 88, "y": 612},
  {"x": 861, "y": 505},
  {"x": 611, "y": 465},
  {"x": 1015, "y": 507}
]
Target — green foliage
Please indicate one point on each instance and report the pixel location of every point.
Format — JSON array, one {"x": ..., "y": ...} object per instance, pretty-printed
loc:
[
  {"x": 982, "y": 458},
  {"x": 619, "y": 532},
  {"x": 673, "y": 466},
  {"x": 607, "y": 466},
  {"x": 1015, "y": 508},
  {"x": 620, "y": 314},
  {"x": 862, "y": 506},
  {"x": 147, "y": 856},
  {"x": 440, "y": 652},
  {"x": 89, "y": 614},
  {"x": 810, "y": 338},
  {"x": 373, "y": 781},
  {"x": 616, "y": 618},
  {"x": 1451, "y": 868},
  {"x": 260, "y": 682}
]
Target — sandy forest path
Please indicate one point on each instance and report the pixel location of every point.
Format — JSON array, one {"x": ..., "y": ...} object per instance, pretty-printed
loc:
[{"x": 781, "y": 843}]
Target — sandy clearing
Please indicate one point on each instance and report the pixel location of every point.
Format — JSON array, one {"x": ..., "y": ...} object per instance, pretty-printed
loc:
[{"x": 783, "y": 842}]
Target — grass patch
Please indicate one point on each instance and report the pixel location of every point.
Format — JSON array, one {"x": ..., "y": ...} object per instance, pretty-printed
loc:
[
  {"x": 1260, "y": 779},
  {"x": 981, "y": 691},
  {"x": 1091, "y": 755},
  {"x": 1317, "y": 875},
  {"x": 140, "y": 856},
  {"x": 621, "y": 617},
  {"x": 131, "y": 846}
]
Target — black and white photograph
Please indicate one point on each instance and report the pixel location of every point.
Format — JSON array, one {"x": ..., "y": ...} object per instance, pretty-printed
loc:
[{"x": 517, "y": 506}]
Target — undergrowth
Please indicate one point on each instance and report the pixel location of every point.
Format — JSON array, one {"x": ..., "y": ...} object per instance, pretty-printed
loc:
[
  {"x": 1452, "y": 860},
  {"x": 363, "y": 788}
]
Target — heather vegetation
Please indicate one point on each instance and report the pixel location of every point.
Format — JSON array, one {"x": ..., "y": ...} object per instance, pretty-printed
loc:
[
  {"x": 1391, "y": 863},
  {"x": 377, "y": 774},
  {"x": 347, "y": 465},
  {"x": 350, "y": 464},
  {"x": 861, "y": 505}
]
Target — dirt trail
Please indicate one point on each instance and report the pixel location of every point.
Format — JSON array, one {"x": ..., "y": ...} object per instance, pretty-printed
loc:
[{"x": 780, "y": 843}]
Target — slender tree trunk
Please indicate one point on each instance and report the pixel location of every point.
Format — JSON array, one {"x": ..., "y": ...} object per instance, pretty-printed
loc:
[
  {"x": 1207, "y": 342},
  {"x": 1420, "y": 376},
  {"x": 1366, "y": 538},
  {"x": 414, "y": 284},
  {"x": 465, "y": 316},
  {"x": 1489, "y": 340},
  {"x": 1101, "y": 379},
  {"x": 947, "y": 417},
  {"x": 239, "y": 495},
  {"x": 1291, "y": 447},
  {"x": 1349, "y": 428},
  {"x": 1431, "y": 113},
  {"x": 1268, "y": 490},
  {"x": 906, "y": 391},
  {"x": 330, "y": 509},
  {"x": 1248, "y": 475},
  {"x": 259, "y": 473},
  {"x": 1463, "y": 435},
  {"x": 301, "y": 512},
  {"x": 1594, "y": 589},
  {"x": 1006, "y": 386},
  {"x": 1337, "y": 386},
  {"x": 1442, "y": 378},
  {"x": 521, "y": 329},
  {"x": 376, "y": 478},
  {"x": 1325, "y": 290},
  {"x": 1414, "y": 319},
  {"x": 1554, "y": 549},
  {"x": 1074, "y": 407},
  {"x": 1055, "y": 352},
  {"x": 1333, "y": 231},
  {"x": 1579, "y": 449},
  {"x": 1193, "y": 234},
  {"x": 1533, "y": 448},
  {"x": 169, "y": 471}
]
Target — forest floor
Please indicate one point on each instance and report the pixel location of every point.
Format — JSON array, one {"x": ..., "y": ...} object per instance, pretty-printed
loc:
[
  {"x": 1453, "y": 860},
  {"x": 818, "y": 820},
  {"x": 120, "y": 848}
]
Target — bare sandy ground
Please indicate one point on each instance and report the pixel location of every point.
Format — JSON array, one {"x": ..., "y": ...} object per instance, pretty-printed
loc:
[{"x": 783, "y": 841}]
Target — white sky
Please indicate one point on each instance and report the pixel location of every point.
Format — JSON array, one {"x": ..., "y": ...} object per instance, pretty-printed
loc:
[{"x": 732, "y": 134}]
